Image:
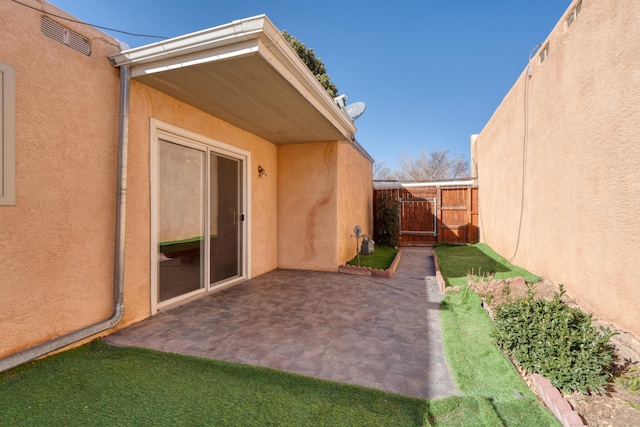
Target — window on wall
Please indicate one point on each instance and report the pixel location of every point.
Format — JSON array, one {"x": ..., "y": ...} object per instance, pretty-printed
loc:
[
  {"x": 544, "y": 52},
  {"x": 574, "y": 14},
  {"x": 7, "y": 135}
]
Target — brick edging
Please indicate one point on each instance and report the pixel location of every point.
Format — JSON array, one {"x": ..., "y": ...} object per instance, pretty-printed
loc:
[
  {"x": 557, "y": 404},
  {"x": 441, "y": 283},
  {"x": 368, "y": 271}
]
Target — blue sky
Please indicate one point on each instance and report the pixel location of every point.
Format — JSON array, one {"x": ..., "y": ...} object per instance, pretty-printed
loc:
[{"x": 430, "y": 72}]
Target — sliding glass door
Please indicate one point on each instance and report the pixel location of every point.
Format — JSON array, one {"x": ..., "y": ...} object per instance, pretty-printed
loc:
[
  {"x": 200, "y": 216},
  {"x": 181, "y": 243},
  {"x": 226, "y": 217}
]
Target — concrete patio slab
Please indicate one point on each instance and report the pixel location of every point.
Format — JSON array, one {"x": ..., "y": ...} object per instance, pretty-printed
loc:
[{"x": 374, "y": 332}]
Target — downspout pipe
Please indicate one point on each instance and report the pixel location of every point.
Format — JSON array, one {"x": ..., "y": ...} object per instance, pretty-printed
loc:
[{"x": 118, "y": 279}]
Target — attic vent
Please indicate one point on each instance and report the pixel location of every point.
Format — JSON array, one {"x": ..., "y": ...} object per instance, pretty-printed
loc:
[{"x": 57, "y": 32}]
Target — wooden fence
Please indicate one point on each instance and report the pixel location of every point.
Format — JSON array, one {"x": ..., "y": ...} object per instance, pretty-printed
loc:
[{"x": 431, "y": 214}]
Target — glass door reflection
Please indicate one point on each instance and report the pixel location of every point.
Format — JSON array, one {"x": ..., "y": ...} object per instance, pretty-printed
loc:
[
  {"x": 181, "y": 249},
  {"x": 225, "y": 217}
]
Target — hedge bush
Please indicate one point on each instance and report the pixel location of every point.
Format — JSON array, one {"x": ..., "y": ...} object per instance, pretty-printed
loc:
[
  {"x": 387, "y": 222},
  {"x": 556, "y": 341}
]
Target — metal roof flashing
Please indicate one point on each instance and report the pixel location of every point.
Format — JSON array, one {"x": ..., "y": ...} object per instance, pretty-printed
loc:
[{"x": 274, "y": 94}]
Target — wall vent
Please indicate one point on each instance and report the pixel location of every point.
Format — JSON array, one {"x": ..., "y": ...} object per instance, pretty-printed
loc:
[{"x": 57, "y": 32}]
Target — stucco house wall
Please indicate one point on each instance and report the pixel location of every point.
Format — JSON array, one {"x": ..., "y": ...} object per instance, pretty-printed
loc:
[
  {"x": 57, "y": 241},
  {"x": 307, "y": 206},
  {"x": 355, "y": 195},
  {"x": 557, "y": 162},
  {"x": 147, "y": 104},
  {"x": 324, "y": 190}
]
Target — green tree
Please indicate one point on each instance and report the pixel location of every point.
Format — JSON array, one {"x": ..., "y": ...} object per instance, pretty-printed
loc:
[{"x": 314, "y": 64}]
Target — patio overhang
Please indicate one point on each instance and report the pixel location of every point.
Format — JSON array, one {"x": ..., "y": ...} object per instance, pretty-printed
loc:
[{"x": 244, "y": 73}]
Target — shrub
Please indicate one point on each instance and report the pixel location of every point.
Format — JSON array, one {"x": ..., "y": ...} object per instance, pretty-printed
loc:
[
  {"x": 556, "y": 341},
  {"x": 387, "y": 222}
]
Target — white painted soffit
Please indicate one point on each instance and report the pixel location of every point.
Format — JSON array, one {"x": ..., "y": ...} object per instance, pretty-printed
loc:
[{"x": 245, "y": 73}]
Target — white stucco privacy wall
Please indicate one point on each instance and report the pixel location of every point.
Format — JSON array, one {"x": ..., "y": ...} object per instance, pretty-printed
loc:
[{"x": 558, "y": 162}]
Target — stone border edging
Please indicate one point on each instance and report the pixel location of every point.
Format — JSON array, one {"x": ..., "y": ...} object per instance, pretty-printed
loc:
[
  {"x": 557, "y": 404},
  {"x": 374, "y": 272}
]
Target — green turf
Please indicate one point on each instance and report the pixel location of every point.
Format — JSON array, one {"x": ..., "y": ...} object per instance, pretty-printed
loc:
[
  {"x": 381, "y": 259},
  {"x": 455, "y": 411},
  {"x": 478, "y": 366},
  {"x": 100, "y": 385},
  {"x": 480, "y": 369},
  {"x": 458, "y": 261}
]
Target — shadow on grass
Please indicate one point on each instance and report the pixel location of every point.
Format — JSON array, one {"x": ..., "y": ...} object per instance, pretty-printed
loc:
[
  {"x": 98, "y": 384},
  {"x": 101, "y": 385}
]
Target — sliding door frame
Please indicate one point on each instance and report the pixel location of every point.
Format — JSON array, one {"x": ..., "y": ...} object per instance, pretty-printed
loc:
[{"x": 164, "y": 131}]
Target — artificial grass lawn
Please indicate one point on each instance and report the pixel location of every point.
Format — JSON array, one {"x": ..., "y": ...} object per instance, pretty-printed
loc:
[
  {"x": 381, "y": 259},
  {"x": 97, "y": 384},
  {"x": 478, "y": 366},
  {"x": 456, "y": 262}
]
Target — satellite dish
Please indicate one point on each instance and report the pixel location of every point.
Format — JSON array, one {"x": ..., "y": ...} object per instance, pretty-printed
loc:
[
  {"x": 357, "y": 229},
  {"x": 355, "y": 110}
]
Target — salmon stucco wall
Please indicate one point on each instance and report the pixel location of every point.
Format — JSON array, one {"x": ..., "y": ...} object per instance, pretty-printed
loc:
[
  {"x": 57, "y": 242},
  {"x": 307, "y": 206},
  {"x": 146, "y": 104},
  {"x": 355, "y": 199},
  {"x": 557, "y": 163}
]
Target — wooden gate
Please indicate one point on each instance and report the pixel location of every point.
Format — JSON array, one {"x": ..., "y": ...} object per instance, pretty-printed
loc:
[
  {"x": 418, "y": 221},
  {"x": 458, "y": 215},
  {"x": 431, "y": 214}
]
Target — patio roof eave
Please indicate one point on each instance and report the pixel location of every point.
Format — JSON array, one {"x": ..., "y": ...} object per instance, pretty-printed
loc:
[{"x": 245, "y": 73}]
